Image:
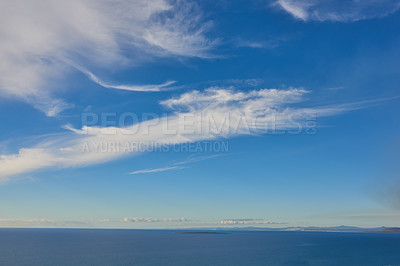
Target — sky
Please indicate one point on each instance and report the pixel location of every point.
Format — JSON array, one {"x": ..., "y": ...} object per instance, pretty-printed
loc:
[{"x": 192, "y": 114}]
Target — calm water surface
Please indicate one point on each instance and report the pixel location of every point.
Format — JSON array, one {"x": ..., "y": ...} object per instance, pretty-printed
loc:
[{"x": 165, "y": 247}]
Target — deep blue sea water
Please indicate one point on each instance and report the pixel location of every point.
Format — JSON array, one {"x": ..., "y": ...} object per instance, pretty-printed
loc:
[{"x": 165, "y": 247}]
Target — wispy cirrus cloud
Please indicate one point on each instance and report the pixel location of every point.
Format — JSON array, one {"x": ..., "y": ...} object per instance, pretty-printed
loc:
[
  {"x": 175, "y": 166},
  {"x": 339, "y": 11},
  {"x": 196, "y": 116},
  {"x": 40, "y": 40},
  {"x": 156, "y": 170},
  {"x": 143, "y": 88}
]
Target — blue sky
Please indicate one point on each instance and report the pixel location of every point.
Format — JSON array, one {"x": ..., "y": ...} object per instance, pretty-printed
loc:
[{"x": 234, "y": 113}]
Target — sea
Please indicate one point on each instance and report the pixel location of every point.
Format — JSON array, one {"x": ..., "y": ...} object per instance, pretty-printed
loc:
[{"x": 176, "y": 247}]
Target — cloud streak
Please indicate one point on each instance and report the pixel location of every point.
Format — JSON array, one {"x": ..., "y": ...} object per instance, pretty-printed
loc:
[
  {"x": 246, "y": 222},
  {"x": 338, "y": 11},
  {"x": 41, "y": 223},
  {"x": 142, "y": 88},
  {"x": 89, "y": 223},
  {"x": 156, "y": 170},
  {"x": 155, "y": 220},
  {"x": 175, "y": 166}
]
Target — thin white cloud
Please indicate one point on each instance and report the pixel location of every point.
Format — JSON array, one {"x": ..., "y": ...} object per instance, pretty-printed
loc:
[
  {"x": 40, "y": 38},
  {"x": 216, "y": 97},
  {"x": 128, "y": 222},
  {"x": 155, "y": 220},
  {"x": 155, "y": 170},
  {"x": 148, "y": 87},
  {"x": 176, "y": 165},
  {"x": 246, "y": 222},
  {"x": 209, "y": 115},
  {"x": 268, "y": 44},
  {"x": 298, "y": 9},
  {"x": 88, "y": 223},
  {"x": 338, "y": 88},
  {"x": 41, "y": 223},
  {"x": 339, "y": 11}
]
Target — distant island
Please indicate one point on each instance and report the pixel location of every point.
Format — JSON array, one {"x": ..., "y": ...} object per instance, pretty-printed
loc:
[
  {"x": 391, "y": 230},
  {"x": 342, "y": 228},
  {"x": 204, "y": 233}
]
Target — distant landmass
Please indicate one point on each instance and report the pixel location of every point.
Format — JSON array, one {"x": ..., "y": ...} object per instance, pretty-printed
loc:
[
  {"x": 341, "y": 228},
  {"x": 204, "y": 233},
  {"x": 391, "y": 230}
]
